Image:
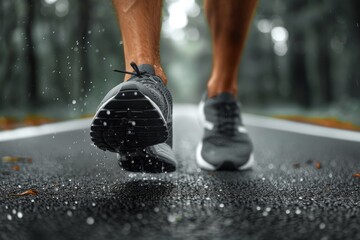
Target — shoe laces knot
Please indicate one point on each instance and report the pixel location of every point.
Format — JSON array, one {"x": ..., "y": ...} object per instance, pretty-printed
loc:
[
  {"x": 136, "y": 72},
  {"x": 228, "y": 116}
]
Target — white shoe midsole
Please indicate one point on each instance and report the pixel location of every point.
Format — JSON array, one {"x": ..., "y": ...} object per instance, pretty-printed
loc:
[{"x": 202, "y": 163}]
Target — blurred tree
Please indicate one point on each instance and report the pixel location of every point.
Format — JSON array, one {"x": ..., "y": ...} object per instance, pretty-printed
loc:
[
  {"x": 55, "y": 51},
  {"x": 32, "y": 66},
  {"x": 83, "y": 29},
  {"x": 299, "y": 86},
  {"x": 8, "y": 47},
  {"x": 353, "y": 22}
]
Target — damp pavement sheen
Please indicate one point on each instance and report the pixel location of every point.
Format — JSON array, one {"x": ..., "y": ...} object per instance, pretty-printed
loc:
[{"x": 301, "y": 188}]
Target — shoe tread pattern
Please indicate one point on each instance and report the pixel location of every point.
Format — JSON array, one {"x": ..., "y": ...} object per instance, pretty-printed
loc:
[{"x": 127, "y": 122}]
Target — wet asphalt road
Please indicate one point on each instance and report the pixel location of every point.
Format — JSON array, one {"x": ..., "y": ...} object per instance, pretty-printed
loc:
[{"x": 83, "y": 194}]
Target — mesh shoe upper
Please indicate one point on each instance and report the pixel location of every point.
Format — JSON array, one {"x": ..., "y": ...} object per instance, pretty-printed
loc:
[
  {"x": 225, "y": 138},
  {"x": 153, "y": 87}
]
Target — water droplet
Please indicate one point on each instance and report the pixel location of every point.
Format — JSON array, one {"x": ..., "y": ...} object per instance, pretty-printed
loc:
[
  {"x": 298, "y": 211},
  {"x": 73, "y": 101},
  {"x": 258, "y": 208},
  {"x": 90, "y": 220},
  {"x": 172, "y": 218},
  {"x": 221, "y": 205},
  {"x": 104, "y": 123},
  {"x": 9, "y": 217},
  {"x": 322, "y": 226},
  {"x": 287, "y": 211},
  {"x": 268, "y": 209},
  {"x": 228, "y": 222},
  {"x": 69, "y": 213},
  {"x": 19, "y": 215},
  {"x": 135, "y": 93},
  {"x": 108, "y": 112},
  {"x": 93, "y": 204}
]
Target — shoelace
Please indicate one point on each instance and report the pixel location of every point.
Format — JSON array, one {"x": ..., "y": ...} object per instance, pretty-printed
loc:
[
  {"x": 137, "y": 72},
  {"x": 228, "y": 114}
]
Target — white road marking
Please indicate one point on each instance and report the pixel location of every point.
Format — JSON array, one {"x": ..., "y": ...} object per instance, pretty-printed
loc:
[
  {"x": 188, "y": 110},
  {"x": 302, "y": 128},
  {"x": 46, "y": 129}
]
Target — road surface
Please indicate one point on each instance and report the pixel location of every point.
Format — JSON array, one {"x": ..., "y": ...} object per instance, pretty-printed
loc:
[{"x": 302, "y": 187}]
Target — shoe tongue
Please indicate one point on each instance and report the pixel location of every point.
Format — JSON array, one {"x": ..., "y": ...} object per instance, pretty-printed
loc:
[{"x": 147, "y": 68}]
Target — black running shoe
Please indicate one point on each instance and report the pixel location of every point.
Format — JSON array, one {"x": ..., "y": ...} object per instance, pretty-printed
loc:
[
  {"x": 225, "y": 144},
  {"x": 135, "y": 120}
]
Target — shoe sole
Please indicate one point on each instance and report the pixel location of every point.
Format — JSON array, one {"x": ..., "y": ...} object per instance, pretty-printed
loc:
[
  {"x": 145, "y": 160},
  {"x": 128, "y": 121},
  {"x": 225, "y": 165}
]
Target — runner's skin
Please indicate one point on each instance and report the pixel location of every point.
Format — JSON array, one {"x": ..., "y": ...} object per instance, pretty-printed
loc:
[
  {"x": 229, "y": 21},
  {"x": 140, "y": 24}
]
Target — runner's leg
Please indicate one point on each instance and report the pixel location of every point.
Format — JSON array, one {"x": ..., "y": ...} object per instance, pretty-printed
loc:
[
  {"x": 229, "y": 22},
  {"x": 140, "y": 24}
]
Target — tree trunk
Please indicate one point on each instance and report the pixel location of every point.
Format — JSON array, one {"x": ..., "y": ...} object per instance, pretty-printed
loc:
[
  {"x": 324, "y": 66},
  {"x": 299, "y": 85},
  {"x": 300, "y": 90},
  {"x": 32, "y": 83},
  {"x": 84, "y": 20}
]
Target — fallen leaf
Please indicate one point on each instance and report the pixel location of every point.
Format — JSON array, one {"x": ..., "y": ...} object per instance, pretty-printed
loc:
[
  {"x": 7, "y": 159},
  {"x": 296, "y": 165},
  {"x": 310, "y": 161},
  {"x": 357, "y": 175},
  {"x": 318, "y": 165},
  {"x": 16, "y": 167},
  {"x": 27, "y": 192},
  {"x": 14, "y": 159}
]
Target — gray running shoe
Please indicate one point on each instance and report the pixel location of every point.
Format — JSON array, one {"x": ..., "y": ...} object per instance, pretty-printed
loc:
[
  {"x": 225, "y": 144},
  {"x": 135, "y": 120}
]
